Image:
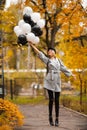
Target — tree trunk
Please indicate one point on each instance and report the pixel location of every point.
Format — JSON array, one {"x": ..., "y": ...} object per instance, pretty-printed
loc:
[
  {"x": 2, "y": 4},
  {"x": 85, "y": 87},
  {"x": 80, "y": 89}
]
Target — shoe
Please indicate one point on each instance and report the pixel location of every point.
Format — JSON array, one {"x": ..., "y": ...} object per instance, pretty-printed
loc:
[
  {"x": 51, "y": 121},
  {"x": 56, "y": 122}
]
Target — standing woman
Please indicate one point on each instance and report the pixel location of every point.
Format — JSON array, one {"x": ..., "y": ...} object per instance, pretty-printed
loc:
[{"x": 52, "y": 80}]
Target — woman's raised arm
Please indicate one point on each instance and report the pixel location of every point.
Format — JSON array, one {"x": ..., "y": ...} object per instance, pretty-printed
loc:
[{"x": 34, "y": 47}]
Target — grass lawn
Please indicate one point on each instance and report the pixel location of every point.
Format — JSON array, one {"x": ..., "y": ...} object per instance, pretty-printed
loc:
[
  {"x": 69, "y": 101},
  {"x": 73, "y": 102},
  {"x": 29, "y": 100}
]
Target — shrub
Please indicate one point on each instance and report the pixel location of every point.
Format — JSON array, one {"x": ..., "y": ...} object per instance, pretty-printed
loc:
[
  {"x": 5, "y": 127},
  {"x": 10, "y": 114},
  {"x": 66, "y": 101}
]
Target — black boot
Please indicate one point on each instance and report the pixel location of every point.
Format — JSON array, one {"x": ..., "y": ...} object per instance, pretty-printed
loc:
[
  {"x": 56, "y": 122},
  {"x": 51, "y": 121}
]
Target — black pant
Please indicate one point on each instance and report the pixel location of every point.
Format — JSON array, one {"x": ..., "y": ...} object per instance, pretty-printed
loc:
[{"x": 53, "y": 96}]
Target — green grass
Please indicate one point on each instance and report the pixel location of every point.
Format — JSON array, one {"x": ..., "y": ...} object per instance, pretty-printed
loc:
[
  {"x": 73, "y": 102},
  {"x": 29, "y": 100},
  {"x": 74, "y": 98},
  {"x": 66, "y": 100}
]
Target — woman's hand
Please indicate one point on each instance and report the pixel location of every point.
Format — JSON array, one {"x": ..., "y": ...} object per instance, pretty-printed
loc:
[
  {"x": 30, "y": 43},
  {"x": 34, "y": 47},
  {"x": 74, "y": 76}
]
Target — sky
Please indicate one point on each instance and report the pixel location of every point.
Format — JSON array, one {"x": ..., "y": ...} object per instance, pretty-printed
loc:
[
  {"x": 85, "y": 3},
  {"x": 7, "y": 3},
  {"x": 15, "y": 1}
]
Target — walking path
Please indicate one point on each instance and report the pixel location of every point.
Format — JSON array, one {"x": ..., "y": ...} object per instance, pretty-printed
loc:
[{"x": 36, "y": 118}]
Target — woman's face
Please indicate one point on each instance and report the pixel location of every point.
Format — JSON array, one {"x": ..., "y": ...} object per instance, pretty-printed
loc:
[{"x": 51, "y": 53}]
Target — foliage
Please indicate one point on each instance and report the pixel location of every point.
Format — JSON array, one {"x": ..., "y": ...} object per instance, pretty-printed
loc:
[
  {"x": 74, "y": 55},
  {"x": 6, "y": 26},
  {"x": 14, "y": 55},
  {"x": 63, "y": 24},
  {"x": 5, "y": 127},
  {"x": 62, "y": 21},
  {"x": 10, "y": 114},
  {"x": 75, "y": 58}
]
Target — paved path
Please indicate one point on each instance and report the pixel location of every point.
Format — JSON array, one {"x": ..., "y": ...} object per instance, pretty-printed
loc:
[{"x": 36, "y": 118}]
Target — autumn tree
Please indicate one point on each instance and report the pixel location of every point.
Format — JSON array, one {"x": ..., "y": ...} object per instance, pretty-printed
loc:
[
  {"x": 66, "y": 23},
  {"x": 2, "y": 4},
  {"x": 75, "y": 57},
  {"x": 65, "y": 20}
]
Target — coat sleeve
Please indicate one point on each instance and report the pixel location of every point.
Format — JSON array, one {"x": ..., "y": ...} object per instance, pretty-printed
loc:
[
  {"x": 43, "y": 57},
  {"x": 64, "y": 69}
]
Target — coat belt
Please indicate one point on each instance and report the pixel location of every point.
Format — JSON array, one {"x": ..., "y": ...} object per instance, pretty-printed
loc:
[{"x": 53, "y": 72}]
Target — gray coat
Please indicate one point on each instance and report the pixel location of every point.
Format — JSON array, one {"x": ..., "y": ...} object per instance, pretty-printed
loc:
[{"x": 52, "y": 80}]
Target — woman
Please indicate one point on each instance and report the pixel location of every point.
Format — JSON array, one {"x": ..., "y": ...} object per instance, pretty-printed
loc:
[{"x": 52, "y": 80}]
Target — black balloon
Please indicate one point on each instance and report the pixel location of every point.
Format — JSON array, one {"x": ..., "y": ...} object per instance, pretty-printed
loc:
[
  {"x": 22, "y": 39},
  {"x": 37, "y": 30},
  {"x": 27, "y": 19},
  {"x": 32, "y": 23}
]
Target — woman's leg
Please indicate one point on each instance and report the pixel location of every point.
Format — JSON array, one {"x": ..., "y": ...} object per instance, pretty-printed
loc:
[
  {"x": 50, "y": 94},
  {"x": 57, "y": 95}
]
